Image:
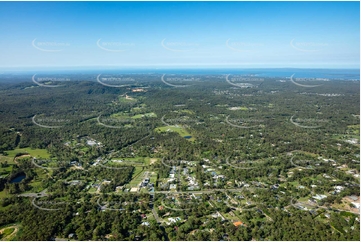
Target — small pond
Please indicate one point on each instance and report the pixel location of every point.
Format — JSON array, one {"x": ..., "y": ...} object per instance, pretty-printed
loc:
[{"x": 18, "y": 178}]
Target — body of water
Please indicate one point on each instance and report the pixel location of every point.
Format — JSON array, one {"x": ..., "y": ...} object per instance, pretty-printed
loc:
[
  {"x": 18, "y": 178},
  {"x": 341, "y": 74},
  {"x": 332, "y": 74}
]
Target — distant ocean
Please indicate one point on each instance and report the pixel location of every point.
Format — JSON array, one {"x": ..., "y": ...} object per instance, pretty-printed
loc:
[
  {"x": 341, "y": 74},
  {"x": 344, "y": 74}
]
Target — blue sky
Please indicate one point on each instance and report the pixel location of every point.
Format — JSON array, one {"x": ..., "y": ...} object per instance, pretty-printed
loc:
[{"x": 179, "y": 34}]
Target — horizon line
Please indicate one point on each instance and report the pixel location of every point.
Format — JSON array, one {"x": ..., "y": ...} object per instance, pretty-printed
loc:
[{"x": 155, "y": 67}]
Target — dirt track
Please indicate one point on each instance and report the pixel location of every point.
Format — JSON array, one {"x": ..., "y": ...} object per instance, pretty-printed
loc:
[{"x": 10, "y": 235}]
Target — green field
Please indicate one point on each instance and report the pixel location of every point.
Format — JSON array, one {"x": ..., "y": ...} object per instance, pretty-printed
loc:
[
  {"x": 6, "y": 232},
  {"x": 85, "y": 149},
  {"x": 353, "y": 132},
  {"x": 5, "y": 171},
  {"x": 116, "y": 164},
  {"x": 343, "y": 137},
  {"x": 131, "y": 161},
  {"x": 153, "y": 177},
  {"x": 39, "y": 153},
  {"x": 3, "y": 194},
  {"x": 149, "y": 115},
  {"x": 92, "y": 190},
  {"x": 126, "y": 116},
  {"x": 36, "y": 183},
  {"x": 141, "y": 107},
  {"x": 242, "y": 108},
  {"x": 178, "y": 129},
  {"x": 8, "y": 159},
  {"x": 126, "y": 100},
  {"x": 186, "y": 111},
  {"x": 137, "y": 109},
  {"x": 230, "y": 217},
  {"x": 303, "y": 199},
  {"x": 137, "y": 177},
  {"x": 120, "y": 115}
]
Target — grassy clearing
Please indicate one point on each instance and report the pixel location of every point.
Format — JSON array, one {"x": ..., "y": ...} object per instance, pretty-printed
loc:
[
  {"x": 36, "y": 183},
  {"x": 116, "y": 164},
  {"x": 7, "y": 159},
  {"x": 137, "y": 177},
  {"x": 186, "y": 111},
  {"x": 178, "y": 129},
  {"x": 303, "y": 199},
  {"x": 127, "y": 100},
  {"x": 39, "y": 153},
  {"x": 153, "y": 177},
  {"x": 137, "y": 109},
  {"x": 85, "y": 149},
  {"x": 5, "y": 233},
  {"x": 242, "y": 108},
  {"x": 92, "y": 190},
  {"x": 342, "y": 137},
  {"x": 120, "y": 115},
  {"x": 5, "y": 170},
  {"x": 354, "y": 128},
  {"x": 153, "y": 160},
  {"x": 345, "y": 136},
  {"x": 144, "y": 161},
  {"x": 313, "y": 155},
  {"x": 230, "y": 217},
  {"x": 148, "y": 115},
  {"x": 8, "y": 232},
  {"x": 36, "y": 186},
  {"x": 3, "y": 209},
  {"x": 3, "y": 194},
  {"x": 127, "y": 116},
  {"x": 4, "y": 175}
]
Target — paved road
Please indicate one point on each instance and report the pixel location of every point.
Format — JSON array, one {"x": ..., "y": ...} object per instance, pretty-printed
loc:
[
  {"x": 45, "y": 209},
  {"x": 154, "y": 212},
  {"x": 156, "y": 215},
  {"x": 292, "y": 163},
  {"x": 162, "y": 119}
]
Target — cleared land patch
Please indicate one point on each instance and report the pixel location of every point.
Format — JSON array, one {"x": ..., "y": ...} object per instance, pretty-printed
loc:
[{"x": 178, "y": 129}]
